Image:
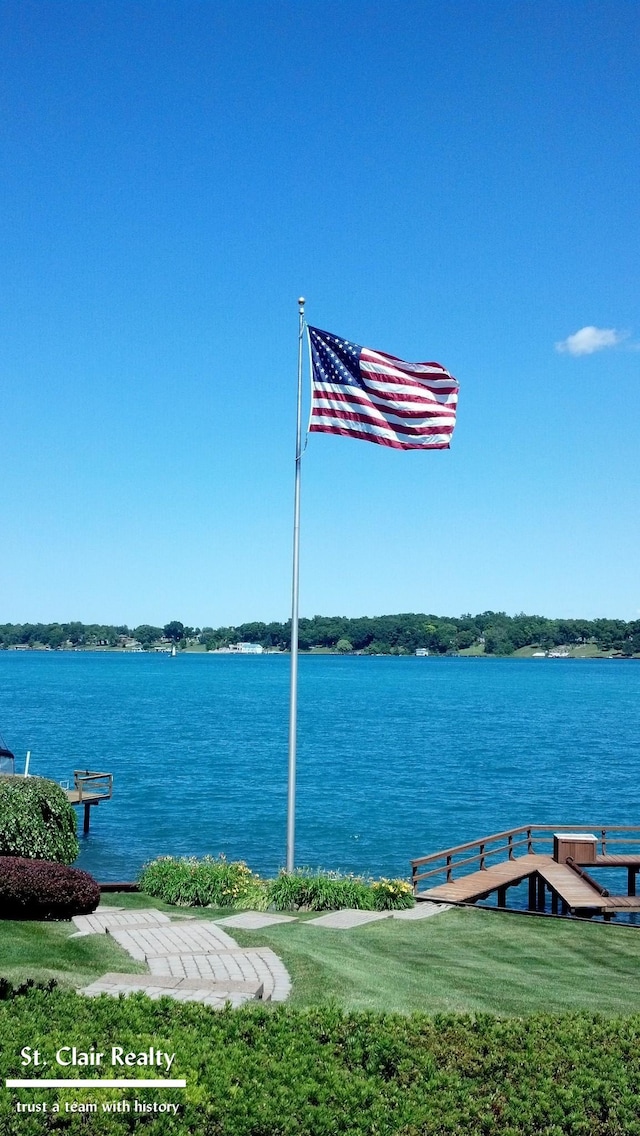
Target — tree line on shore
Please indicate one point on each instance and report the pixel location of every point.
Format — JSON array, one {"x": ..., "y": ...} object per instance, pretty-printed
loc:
[{"x": 495, "y": 633}]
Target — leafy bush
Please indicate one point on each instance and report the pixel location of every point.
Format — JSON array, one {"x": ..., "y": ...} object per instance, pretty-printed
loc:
[
  {"x": 36, "y": 820},
  {"x": 218, "y": 883},
  {"x": 274, "y": 1071},
  {"x": 319, "y": 891},
  {"x": 40, "y": 889},
  {"x": 331, "y": 891},
  {"x": 392, "y": 895},
  {"x": 215, "y": 882}
]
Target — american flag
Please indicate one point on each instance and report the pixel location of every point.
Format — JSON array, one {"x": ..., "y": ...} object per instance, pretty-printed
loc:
[{"x": 370, "y": 395}]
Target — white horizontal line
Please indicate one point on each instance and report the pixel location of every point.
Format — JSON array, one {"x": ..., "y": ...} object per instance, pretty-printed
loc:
[{"x": 99, "y": 1083}]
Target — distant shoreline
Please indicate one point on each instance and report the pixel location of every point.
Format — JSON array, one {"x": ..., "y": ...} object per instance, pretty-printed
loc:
[{"x": 324, "y": 652}]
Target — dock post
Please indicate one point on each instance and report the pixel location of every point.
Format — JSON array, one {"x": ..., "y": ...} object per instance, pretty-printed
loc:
[
  {"x": 532, "y": 893},
  {"x": 87, "y": 813},
  {"x": 502, "y": 896},
  {"x": 554, "y": 903},
  {"x": 541, "y": 894},
  {"x": 631, "y": 881}
]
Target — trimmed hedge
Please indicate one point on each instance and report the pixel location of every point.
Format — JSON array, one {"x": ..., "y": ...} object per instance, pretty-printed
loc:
[
  {"x": 40, "y": 889},
  {"x": 272, "y": 1071},
  {"x": 220, "y": 883},
  {"x": 36, "y": 820}
]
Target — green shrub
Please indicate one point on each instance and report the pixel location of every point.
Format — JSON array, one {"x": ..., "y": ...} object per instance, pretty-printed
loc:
[
  {"x": 392, "y": 895},
  {"x": 274, "y": 1071},
  {"x": 40, "y": 889},
  {"x": 36, "y": 820},
  {"x": 215, "y": 882},
  {"x": 220, "y": 883},
  {"x": 330, "y": 891},
  {"x": 318, "y": 891}
]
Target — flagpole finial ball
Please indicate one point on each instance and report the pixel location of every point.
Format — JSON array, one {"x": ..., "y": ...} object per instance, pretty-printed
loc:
[{"x": 301, "y": 301}]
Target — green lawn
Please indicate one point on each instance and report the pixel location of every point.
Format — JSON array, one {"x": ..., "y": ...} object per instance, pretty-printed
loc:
[
  {"x": 46, "y": 950},
  {"x": 464, "y": 960}
]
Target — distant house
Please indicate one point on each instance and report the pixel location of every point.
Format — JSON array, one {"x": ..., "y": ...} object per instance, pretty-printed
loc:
[
  {"x": 240, "y": 649},
  {"x": 422, "y": 652},
  {"x": 128, "y": 643}
]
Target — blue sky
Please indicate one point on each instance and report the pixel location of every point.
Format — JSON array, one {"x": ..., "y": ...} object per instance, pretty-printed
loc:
[{"x": 449, "y": 181}]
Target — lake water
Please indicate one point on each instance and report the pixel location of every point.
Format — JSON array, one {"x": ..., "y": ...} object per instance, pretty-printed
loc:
[{"x": 397, "y": 757}]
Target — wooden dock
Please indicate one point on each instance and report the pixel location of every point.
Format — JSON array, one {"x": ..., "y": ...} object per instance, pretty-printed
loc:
[
  {"x": 89, "y": 789},
  {"x": 555, "y": 859}
]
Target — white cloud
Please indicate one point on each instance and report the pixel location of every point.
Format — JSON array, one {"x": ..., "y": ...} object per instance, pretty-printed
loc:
[{"x": 590, "y": 339}]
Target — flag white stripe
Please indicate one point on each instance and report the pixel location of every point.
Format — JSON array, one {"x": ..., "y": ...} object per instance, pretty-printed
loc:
[
  {"x": 385, "y": 415},
  {"x": 404, "y": 388},
  {"x": 378, "y": 358},
  {"x": 430, "y": 380},
  {"x": 344, "y": 425},
  {"x": 412, "y": 405}
]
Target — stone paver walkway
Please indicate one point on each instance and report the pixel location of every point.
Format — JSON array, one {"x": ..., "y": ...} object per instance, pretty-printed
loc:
[
  {"x": 101, "y": 921},
  {"x": 181, "y": 989},
  {"x": 254, "y": 920},
  {"x": 194, "y": 961},
  {"x": 141, "y": 942},
  {"x": 421, "y": 911},
  {"x": 347, "y": 918},
  {"x": 251, "y": 964}
]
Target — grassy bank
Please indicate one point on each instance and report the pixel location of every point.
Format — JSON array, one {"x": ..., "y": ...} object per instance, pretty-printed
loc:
[
  {"x": 529, "y": 1027},
  {"x": 464, "y": 960}
]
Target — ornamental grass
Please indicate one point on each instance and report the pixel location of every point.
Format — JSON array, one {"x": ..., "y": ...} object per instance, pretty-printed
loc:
[{"x": 217, "y": 882}]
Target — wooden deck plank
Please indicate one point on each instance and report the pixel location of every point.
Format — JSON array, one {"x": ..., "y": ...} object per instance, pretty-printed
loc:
[
  {"x": 575, "y": 891},
  {"x": 616, "y": 860},
  {"x": 621, "y": 903},
  {"x": 477, "y": 885},
  {"x": 74, "y": 798}
]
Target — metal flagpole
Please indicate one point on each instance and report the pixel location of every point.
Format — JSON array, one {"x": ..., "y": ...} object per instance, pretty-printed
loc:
[{"x": 293, "y": 695}]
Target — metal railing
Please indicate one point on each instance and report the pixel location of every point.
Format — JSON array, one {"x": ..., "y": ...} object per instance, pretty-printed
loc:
[{"x": 530, "y": 839}]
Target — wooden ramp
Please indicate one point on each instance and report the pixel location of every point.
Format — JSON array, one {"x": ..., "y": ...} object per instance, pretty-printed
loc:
[
  {"x": 478, "y": 885},
  {"x": 575, "y": 892}
]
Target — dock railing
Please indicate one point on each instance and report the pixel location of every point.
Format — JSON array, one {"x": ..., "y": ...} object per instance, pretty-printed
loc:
[
  {"x": 528, "y": 839},
  {"x": 88, "y": 783}
]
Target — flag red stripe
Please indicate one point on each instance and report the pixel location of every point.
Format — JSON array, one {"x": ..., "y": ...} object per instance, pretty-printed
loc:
[
  {"x": 396, "y": 445},
  {"x": 396, "y": 428},
  {"x": 393, "y": 361},
  {"x": 433, "y": 389},
  {"x": 386, "y": 401}
]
